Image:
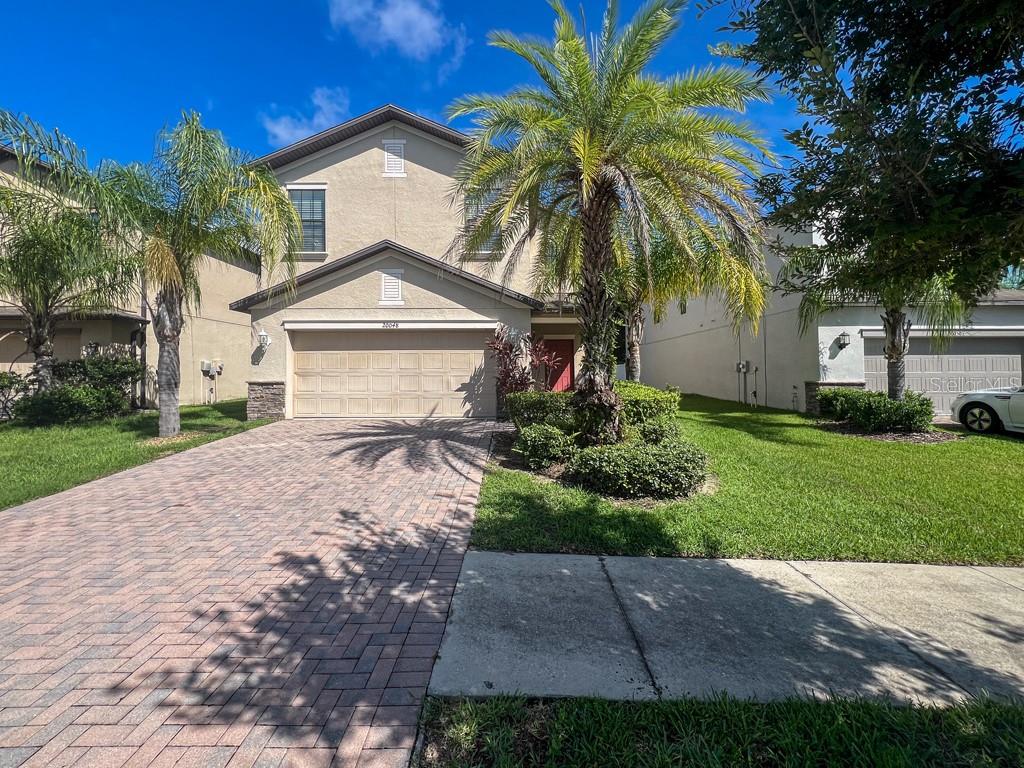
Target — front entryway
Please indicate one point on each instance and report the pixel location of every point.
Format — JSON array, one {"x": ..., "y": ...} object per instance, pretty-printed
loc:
[{"x": 393, "y": 373}]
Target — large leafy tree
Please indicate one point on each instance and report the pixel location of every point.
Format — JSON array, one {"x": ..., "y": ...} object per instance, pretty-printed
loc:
[
  {"x": 199, "y": 198},
  {"x": 66, "y": 247},
  {"x": 910, "y": 165},
  {"x": 598, "y": 141}
]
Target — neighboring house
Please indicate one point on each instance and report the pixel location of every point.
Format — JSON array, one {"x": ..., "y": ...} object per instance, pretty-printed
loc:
[
  {"x": 698, "y": 351},
  {"x": 380, "y": 322},
  {"x": 214, "y": 337}
]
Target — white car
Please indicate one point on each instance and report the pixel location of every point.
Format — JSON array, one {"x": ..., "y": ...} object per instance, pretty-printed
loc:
[{"x": 990, "y": 410}]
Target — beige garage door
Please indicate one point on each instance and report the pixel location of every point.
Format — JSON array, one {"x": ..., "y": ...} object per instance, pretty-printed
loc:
[{"x": 393, "y": 374}]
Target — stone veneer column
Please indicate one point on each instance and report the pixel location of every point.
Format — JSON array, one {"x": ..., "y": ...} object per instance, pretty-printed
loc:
[
  {"x": 266, "y": 400},
  {"x": 811, "y": 392}
]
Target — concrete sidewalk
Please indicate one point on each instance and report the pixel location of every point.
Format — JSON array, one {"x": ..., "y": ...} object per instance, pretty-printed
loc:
[{"x": 646, "y": 628}]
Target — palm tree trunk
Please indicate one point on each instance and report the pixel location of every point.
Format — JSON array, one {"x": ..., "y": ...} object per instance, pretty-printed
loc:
[
  {"x": 634, "y": 335},
  {"x": 897, "y": 344},
  {"x": 167, "y": 324},
  {"x": 597, "y": 403},
  {"x": 40, "y": 343}
]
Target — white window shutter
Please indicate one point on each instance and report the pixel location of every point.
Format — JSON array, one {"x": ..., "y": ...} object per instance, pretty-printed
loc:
[
  {"x": 394, "y": 158},
  {"x": 391, "y": 286}
]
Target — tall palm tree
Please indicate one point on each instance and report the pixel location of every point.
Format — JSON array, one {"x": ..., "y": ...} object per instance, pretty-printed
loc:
[
  {"x": 200, "y": 198},
  {"x": 601, "y": 139},
  {"x": 66, "y": 248}
]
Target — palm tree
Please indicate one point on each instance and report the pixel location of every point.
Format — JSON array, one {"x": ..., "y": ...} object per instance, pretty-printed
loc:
[
  {"x": 601, "y": 141},
  {"x": 200, "y": 198},
  {"x": 828, "y": 281},
  {"x": 710, "y": 266},
  {"x": 66, "y": 248}
]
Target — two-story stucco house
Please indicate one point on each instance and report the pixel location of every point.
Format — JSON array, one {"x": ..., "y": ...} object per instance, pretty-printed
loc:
[
  {"x": 697, "y": 350},
  {"x": 379, "y": 322}
]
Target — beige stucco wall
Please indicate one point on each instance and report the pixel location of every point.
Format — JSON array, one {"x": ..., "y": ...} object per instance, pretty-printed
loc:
[
  {"x": 353, "y": 294},
  {"x": 697, "y": 350},
  {"x": 213, "y": 332},
  {"x": 364, "y": 207}
]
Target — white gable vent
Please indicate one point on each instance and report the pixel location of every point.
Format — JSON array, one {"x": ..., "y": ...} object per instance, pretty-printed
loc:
[
  {"x": 394, "y": 157},
  {"x": 391, "y": 287}
]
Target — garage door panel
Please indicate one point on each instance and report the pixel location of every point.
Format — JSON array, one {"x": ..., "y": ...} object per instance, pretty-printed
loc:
[
  {"x": 393, "y": 374},
  {"x": 943, "y": 377}
]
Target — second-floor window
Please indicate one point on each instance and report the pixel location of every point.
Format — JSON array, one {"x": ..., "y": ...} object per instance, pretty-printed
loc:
[
  {"x": 491, "y": 248},
  {"x": 310, "y": 203}
]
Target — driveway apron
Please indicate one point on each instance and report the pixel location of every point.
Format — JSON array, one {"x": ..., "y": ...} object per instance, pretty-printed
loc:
[{"x": 274, "y": 598}]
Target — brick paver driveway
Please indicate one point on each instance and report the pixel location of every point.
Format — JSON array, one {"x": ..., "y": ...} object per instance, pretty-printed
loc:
[{"x": 271, "y": 599}]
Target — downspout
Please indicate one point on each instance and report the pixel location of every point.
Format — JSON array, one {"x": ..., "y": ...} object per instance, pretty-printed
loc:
[{"x": 143, "y": 333}]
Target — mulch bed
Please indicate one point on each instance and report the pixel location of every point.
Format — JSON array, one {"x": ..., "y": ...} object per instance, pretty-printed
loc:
[{"x": 931, "y": 436}]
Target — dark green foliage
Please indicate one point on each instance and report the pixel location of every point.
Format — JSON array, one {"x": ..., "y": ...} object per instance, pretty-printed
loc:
[
  {"x": 875, "y": 412},
  {"x": 658, "y": 430},
  {"x": 12, "y": 387},
  {"x": 118, "y": 372},
  {"x": 641, "y": 402},
  {"x": 69, "y": 403},
  {"x": 526, "y": 408},
  {"x": 542, "y": 445},
  {"x": 639, "y": 470},
  {"x": 723, "y": 731},
  {"x": 835, "y": 401}
]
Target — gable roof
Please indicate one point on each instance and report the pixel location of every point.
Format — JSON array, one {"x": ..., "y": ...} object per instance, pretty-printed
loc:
[
  {"x": 313, "y": 275},
  {"x": 357, "y": 125}
]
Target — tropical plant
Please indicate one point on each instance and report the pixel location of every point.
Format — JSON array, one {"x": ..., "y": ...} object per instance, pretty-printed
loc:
[
  {"x": 66, "y": 248},
  {"x": 199, "y": 198},
  {"x": 519, "y": 359},
  {"x": 599, "y": 140},
  {"x": 910, "y": 166}
]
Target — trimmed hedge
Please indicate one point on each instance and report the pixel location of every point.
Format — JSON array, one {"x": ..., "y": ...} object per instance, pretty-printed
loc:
[
  {"x": 526, "y": 408},
  {"x": 99, "y": 371},
  {"x": 13, "y": 386},
  {"x": 638, "y": 470},
  {"x": 659, "y": 430},
  {"x": 642, "y": 403},
  {"x": 66, "y": 404},
  {"x": 875, "y": 412},
  {"x": 542, "y": 445}
]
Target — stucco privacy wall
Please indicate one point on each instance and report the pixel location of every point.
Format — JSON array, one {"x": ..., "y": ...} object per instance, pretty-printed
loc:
[
  {"x": 364, "y": 207},
  {"x": 353, "y": 294}
]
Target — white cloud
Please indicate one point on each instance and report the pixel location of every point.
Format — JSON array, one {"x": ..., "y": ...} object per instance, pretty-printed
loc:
[
  {"x": 417, "y": 29},
  {"x": 330, "y": 107}
]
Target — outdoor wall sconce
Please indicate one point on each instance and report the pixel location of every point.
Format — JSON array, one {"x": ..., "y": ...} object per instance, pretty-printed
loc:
[
  {"x": 843, "y": 340},
  {"x": 263, "y": 339}
]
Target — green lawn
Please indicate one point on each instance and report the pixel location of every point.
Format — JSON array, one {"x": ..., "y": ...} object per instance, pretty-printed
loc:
[
  {"x": 788, "y": 489},
  {"x": 512, "y": 732},
  {"x": 43, "y": 460}
]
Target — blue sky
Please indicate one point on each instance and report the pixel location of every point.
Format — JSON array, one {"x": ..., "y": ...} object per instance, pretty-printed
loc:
[{"x": 267, "y": 72}]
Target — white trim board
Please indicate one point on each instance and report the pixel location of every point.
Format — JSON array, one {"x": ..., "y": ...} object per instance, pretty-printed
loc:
[
  {"x": 974, "y": 331},
  {"x": 390, "y": 325}
]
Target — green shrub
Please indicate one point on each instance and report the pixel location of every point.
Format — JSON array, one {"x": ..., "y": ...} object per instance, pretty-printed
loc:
[
  {"x": 66, "y": 404},
  {"x": 526, "y": 408},
  {"x": 875, "y": 412},
  {"x": 636, "y": 470},
  {"x": 836, "y": 401},
  {"x": 13, "y": 386},
  {"x": 641, "y": 402},
  {"x": 99, "y": 371},
  {"x": 542, "y": 445},
  {"x": 658, "y": 430}
]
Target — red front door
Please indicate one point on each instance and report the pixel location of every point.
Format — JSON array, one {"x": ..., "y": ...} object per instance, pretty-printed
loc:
[{"x": 561, "y": 375}]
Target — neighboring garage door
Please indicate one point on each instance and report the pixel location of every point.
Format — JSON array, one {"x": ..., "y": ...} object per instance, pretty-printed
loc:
[
  {"x": 393, "y": 374},
  {"x": 943, "y": 377}
]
